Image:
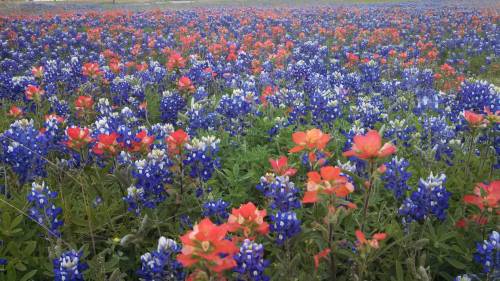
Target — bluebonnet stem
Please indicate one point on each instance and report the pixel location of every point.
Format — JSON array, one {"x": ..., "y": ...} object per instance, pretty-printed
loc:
[
  {"x": 250, "y": 262},
  {"x": 488, "y": 254},
  {"x": 284, "y": 225},
  {"x": 162, "y": 264},
  {"x": 43, "y": 209},
  {"x": 69, "y": 267},
  {"x": 202, "y": 157},
  {"x": 23, "y": 148},
  {"x": 281, "y": 191},
  {"x": 430, "y": 198},
  {"x": 396, "y": 176},
  {"x": 216, "y": 209}
]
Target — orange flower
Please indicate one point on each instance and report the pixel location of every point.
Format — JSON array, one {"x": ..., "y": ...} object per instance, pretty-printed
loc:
[
  {"x": 249, "y": 219},
  {"x": 280, "y": 166},
  {"x": 328, "y": 181},
  {"x": 373, "y": 243},
  {"x": 310, "y": 139},
  {"x": 175, "y": 61},
  {"x": 474, "y": 119},
  {"x": 185, "y": 84},
  {"x": 84, "y": 103},
  {"x": 320, "y": 255},
  {"x": 15, "y": 111},
  {"x": 34, "y": 93},
  {"x": 77, "y": 137},
  {"x": 203, "y": 247},
  {"x": 91, "y": 69},
  {"x": 370, "y": 146},
  {"x": 107, "y": 143},
  {"x": 485, "y": 196},
  {"x": 176, "y": 141},
  {"x": 144, "y": 142},
  {"x": 37, "y": 71}
]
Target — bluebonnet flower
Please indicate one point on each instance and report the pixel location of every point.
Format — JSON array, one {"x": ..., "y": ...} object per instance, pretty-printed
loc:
[
  {"x": 234, "y": 109},
  {"x": 430, "y": 198},
  {"x": 250, "y": 262},
  {"x": 284, "y": 225},
  {"x": 217, "y": 209},
  {"x": 43, "y": 209},
  {"x": 399, "y": 131},
  {"x": 202, "y": 157},
  {"x": 396, "y": 176},
  {"x": 162, "y": 264},
  {"x": 170, "y": 105},
  {"x": 24, "y": 149},
  {"x": 69, "y": 267},
  {"x": 437, "y": 135},
  {"x": 466, "y": 277},
  {"x": 150, "y": 174},
  {"x": 477, "y": 95},
  {"x": 282, "y": 192},
  {"x": 200, "y": 118},
  {"x": 488, "y": 254}
]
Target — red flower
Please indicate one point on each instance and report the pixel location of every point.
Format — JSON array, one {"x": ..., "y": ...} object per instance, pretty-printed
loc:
[
  {"x": 144, "y": 142},
  {"x": 474, "y": 119},
  {"x": 107, "y": 143},
  {"x": 91, "y": 69},
  {"x": 485, "y": 196},
  {"x": 84, "y": 103},
  {"x": 203, "y": 247},
  {"x": 34, "y": 93},
  {"x": 328, "y": 181},
  {"x": 370, "y": 146},
  {"x": 249, "y": 219},
  {"x": 175, "y": 61},
  {"x": 320, "y": 255},
  {"x": 185, "y": 84},
  {"x": 373, "y": 243},
  {"x": 15, "y": 111},
  {"x": 176, "y": 141},
  {"x": 77, "y": 137},
  {"x": 310, "y": 139},
  {"x": 37, "y": 71},
  {"x": 280, "y": 166}
]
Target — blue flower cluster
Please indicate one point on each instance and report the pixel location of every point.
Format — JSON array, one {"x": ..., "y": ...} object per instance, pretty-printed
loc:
[
  {"x": 396, "y": 176},
  {"x": 217, "y": 209},
  {"x": 202, "y": 157},
  {"x": 285, "y": 225},
  {"x": 488, "y": 254},
  {"x": 151, "y": 175},
  {"x": 43, "y": 210},
  {"x": 24, "y": 148},
  {"x": 234, "y": 109},
  {"x": 68, "y": 267},
  {"x": 170, "y": 105},
  {"x": 281, "y": 191},
  {"x": 161, "y": 264},
  {"x": 250, "y": 262},
  {"x": 430, "y": 198}
]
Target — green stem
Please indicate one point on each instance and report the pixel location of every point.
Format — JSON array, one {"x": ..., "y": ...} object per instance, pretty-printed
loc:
[{"x": 367, "y": 194}]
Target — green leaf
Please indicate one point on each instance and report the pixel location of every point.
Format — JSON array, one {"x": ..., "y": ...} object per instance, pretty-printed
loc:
[
  {"x": 455, "y": 263},
  {"x": 399, "y": 271},
  {"x": 28, "y": 275},
  {"x": 30, "y": 247}
]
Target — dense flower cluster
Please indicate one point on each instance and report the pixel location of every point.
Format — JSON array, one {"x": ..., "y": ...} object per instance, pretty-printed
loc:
[
  {"x": 430, "y": 199},
  {"x": 161, "y": 263},
  {"x": 69, "y": 266},
  {"x": 488, "y": 254},
  {"x": 285, "y": 225},
  {"x": 202, "y": 157},
  {"x": 396, "y": 177},
  {"x": 250, "y": 262}
]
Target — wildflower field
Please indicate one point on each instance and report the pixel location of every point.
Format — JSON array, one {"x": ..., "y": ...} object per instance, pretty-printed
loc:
[{"x": 342, "y": 142}]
